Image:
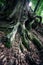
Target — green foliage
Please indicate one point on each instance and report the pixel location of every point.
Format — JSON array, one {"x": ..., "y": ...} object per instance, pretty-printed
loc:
[
  {"x": 33, "y": 4},
  {"x": 39, "y": 9}
]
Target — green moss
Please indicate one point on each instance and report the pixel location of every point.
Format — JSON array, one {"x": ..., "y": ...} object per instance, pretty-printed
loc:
[
  {"x": 37, "y": 42},
  {"x": 34, "y": 39},
  {"x": 25, "y": 42},
  {"x": 8, "y": 44}
]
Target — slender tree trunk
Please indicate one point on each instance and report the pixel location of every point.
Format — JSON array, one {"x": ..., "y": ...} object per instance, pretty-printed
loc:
[{"x": 37, "y": 5}]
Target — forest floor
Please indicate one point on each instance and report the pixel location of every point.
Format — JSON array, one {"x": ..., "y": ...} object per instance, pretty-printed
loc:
[{"x": 14, "y": 56}]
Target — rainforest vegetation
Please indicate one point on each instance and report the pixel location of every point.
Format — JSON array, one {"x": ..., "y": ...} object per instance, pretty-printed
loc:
[{"x": 21, "y": 32}]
